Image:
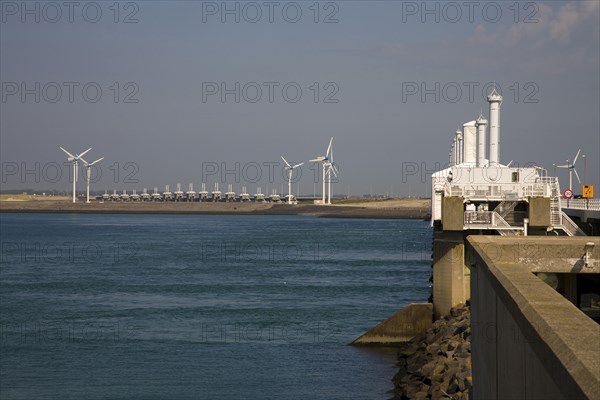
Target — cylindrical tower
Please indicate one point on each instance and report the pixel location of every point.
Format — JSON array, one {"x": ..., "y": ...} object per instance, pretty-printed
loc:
[
  {"x": 481, "y": 124},
  {"x": 495, "y": 100},
  {"x": 453, "y": 152},
  {"x": 469, "y": 142},
  {"x": 458, "y": 148}
]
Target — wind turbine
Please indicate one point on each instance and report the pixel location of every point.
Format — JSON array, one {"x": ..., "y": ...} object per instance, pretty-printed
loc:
[
  {"x": 291, "y": 171},
  {"x": 331, "y": 167},
  {"x": 75, "y": 159},
  {"x": 87, "y": 174},
  {"x": 571, "y": 168},
  {"x": 326, "y": 164}
]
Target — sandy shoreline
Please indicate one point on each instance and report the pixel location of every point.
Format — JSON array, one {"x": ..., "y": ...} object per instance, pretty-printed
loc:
[{"x": 394, "y": 209}]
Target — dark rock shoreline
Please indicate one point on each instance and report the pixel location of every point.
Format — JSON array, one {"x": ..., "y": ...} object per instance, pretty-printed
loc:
[{"x": 437, "y": 363}]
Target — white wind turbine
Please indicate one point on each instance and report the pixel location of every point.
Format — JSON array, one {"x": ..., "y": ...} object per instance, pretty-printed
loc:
[
  {"x": 290, "y": 170},
  {"x": 331, "y": 167},
  {"x": 325, "y": 163},
  {"x": 571, "y": 168},
  {"x": 75, "y": 159},
  {"x": 87, "y": 174}
]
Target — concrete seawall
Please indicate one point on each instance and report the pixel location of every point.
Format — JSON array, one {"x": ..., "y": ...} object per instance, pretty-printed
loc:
[
  {"x": 401, "y": 327},
  {"x": 528, "y": 341}
]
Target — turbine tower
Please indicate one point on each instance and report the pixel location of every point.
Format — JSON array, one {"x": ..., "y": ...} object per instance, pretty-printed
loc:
[
  {"x": 87, "y": 175},
  {"x": 75, "y": 160},
  {"x": 290, "y": 170},
  {"x": 331, "y": 167}
]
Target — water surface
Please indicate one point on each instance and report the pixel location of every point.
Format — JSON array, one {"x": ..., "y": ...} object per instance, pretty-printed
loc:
[{"x": 197, "y": 306}]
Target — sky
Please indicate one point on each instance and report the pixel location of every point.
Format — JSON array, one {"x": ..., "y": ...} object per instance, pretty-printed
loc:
[{"x": 191, "y": 92}]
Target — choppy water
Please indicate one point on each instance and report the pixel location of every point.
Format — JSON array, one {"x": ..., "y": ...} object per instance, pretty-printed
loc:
[{"x": 201, "y": 307}]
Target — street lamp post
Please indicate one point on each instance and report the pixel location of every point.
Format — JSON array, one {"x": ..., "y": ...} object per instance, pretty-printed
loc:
[{"x": 584, "y": 168}]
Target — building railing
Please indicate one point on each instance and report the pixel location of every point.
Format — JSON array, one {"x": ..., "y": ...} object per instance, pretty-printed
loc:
[
  {"x": 487, "y": 220},
  {"x": 478, "y": 217},
  {"x": 581, "y": 204},
  {"x": 548, "y": 179},
  {"x": 508, "y": 191}
]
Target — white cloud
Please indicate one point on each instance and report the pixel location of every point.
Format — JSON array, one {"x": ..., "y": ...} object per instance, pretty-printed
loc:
[{"x": 553, "y": 26}]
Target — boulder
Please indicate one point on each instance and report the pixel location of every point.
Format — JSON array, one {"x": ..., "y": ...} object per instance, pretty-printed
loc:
[{"x": 437, "y": 363}]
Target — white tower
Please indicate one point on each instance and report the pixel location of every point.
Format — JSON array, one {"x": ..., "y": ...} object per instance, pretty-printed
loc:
[
  {"x": 459, "y": 147},
  {"x": 495, "y": 100},
  {"x": 481, "y": 124},
  {"x": 453, "y": 152},
  {"x": 469, "y": 142}
]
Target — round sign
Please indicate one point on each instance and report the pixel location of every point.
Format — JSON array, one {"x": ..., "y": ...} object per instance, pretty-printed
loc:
[{"x": 568, "y": 193}]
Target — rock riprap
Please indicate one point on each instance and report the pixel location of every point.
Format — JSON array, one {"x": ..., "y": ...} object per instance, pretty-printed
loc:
[{"x": 437, "y": 363}]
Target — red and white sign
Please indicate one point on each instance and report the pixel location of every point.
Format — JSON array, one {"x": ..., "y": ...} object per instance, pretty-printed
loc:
[{"x": 568, "y": 193}]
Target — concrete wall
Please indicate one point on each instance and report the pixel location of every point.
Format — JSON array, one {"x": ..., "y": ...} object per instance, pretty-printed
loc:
[
  {"x": 400, "y": 327},
  {"x": 539, "y": 211},
  {"x": 451, "y": 283},
  {"x": 529, "y": 342},
  {"x": 453, "y": 213}
]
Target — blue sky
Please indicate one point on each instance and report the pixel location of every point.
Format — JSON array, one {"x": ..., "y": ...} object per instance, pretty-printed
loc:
[{"x": 545, "y": 58}]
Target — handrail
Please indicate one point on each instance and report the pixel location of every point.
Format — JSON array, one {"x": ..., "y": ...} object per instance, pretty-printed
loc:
[
  {"x": 581, "y": 204},
  {"x": 571, "y": 227},
  {"x": 510, "y": 191},
  {"x": 489, "y": 219}
]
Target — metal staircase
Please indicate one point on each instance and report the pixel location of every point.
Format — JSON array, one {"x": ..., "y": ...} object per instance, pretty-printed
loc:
[
  {"x": 555, "y": 212},
  {"x": 499, "y": 221},
  {"x": 505, "y": 207},
  {"x": 501, "y": 211},
  {"x": 489, "y": 220},
  {"x": 558, "y": 218}
]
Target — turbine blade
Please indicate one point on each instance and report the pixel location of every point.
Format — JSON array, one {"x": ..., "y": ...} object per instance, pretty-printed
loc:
[
  {"x": 69, "y": 154},
  {"x": 563, "y": 166},
  {"x": 285, "y": 161},
  {"x": 575, "y": 159},
  {"x": 79, "y": 155},
  {"x": 329, "y": 147},
  {"x": 297, "y": 165},
  {"x": 577, "y": 175},
  {"x": 98, "y": 160},
  {"x": 84, "y": 162}
]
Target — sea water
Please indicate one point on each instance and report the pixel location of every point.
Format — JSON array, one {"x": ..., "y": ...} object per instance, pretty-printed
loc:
[{"x": 201, "y": 306}]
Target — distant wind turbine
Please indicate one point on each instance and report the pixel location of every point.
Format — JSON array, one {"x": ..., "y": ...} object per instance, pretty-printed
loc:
[
  {"x": 571, "y": 168},
  {"x": 87, "y": 174},
  {"x": 328, "y": 166},
  {"x": 290, "y": 170},
  {"x": 75, "y": 160}
]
